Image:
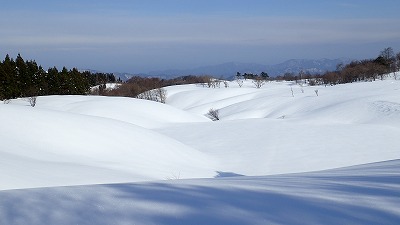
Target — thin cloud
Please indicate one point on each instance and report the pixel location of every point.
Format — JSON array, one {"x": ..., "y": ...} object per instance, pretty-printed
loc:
[{"x": 198, "y": 30}]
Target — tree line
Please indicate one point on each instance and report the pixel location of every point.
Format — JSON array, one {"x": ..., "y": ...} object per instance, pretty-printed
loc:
[
  {"x": 358, "y": 70},
  {"x": 20, "y": 78},
  {"x": 137, "y": 85},
  {"x": 363, "y": 70}
]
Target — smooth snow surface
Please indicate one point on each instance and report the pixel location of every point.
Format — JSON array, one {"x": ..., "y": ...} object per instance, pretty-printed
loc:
[
  {"x": 265, "y": 137},
  {"x": 362, "y": 195},
  {"x": 42, "y": 147}
]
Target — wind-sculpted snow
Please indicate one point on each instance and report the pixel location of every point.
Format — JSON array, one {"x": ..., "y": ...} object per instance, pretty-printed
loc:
[
  {"x": 347, "y": 103},
  {"x": 42, "y": 147},
  {"x": 363, "y": 195},
  {"x": 118, "y": 142},
  {"x": 267, "y": 131},
  {"x": 274, "y": 146},
  {"x": 143, "y": 113}
]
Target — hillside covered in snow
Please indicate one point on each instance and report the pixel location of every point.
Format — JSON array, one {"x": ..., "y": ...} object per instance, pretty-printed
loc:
[{"x": 281, "y": 154}]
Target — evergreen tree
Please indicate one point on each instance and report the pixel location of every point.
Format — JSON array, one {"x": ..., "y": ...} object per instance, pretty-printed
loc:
[
  {"x": 53, "y": 81},
  {"x": 10, "y": 85}
]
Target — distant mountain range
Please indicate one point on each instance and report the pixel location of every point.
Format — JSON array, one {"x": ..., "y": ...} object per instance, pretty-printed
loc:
[{"x": 229, "y": 70}]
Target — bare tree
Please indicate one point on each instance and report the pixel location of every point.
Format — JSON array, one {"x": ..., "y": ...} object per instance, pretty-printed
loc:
[
  {"x": 213, "y": 114},
  {"x": 389, "y": 58},
  {"x": 387, "y": 54}
]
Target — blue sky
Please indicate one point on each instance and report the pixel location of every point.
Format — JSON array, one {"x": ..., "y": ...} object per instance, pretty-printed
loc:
[{"x": 141, "y": 36}]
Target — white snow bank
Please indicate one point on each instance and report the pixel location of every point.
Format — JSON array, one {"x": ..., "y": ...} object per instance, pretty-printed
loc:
[
  {"x": 275, "y": 146},
  {"x": 347, "y": 103},
  {"x": 42, "y": 147},
  {"x": 143, "y": 113},
  {"x": 345, "y": 125},
  {"x": 367, "y": 195},
  {"x": 69, "y": 140}
]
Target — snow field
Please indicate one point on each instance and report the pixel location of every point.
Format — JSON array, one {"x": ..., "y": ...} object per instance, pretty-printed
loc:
[
  {"x": 138, "y": 162},
  {"x": 261, "y": 132}
]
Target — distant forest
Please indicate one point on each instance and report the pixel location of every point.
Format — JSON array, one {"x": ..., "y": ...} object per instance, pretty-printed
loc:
[
  {"x": 20, "y": 78},
  {"x": 358, "y": 70}
]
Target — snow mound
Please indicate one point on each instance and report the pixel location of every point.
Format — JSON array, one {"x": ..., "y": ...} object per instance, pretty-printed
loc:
[
  {"x": 268, "y": 131},
  {"x": 261, "y": 132},
  {"x": 43, "y": 147},
  {"x": 347, "y": 103},
  {"x": 143, "y": 113}
]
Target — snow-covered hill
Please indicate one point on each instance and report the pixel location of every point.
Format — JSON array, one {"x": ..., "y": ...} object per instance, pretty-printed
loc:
[{"x": 274, "y": 148}]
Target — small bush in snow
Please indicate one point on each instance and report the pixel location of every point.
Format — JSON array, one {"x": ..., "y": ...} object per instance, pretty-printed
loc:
[
  {"x": 32, "y": 100},
  {"x": 174, "y": 176},
  {"x": 240, "y": 82},
  {"x": 301, "y": 88},
  {"x": 157, "y": 95},
  {"x": 213, "y": 114},
  {"x": 226, "y": 84},
  {"x": 213, "y": 83},
  {"x": 259, "y": 82}
]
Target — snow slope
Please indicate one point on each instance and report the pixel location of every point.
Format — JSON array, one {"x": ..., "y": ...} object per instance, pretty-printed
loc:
[
  {"x": 267, "y": 131},
  {"x": 362, "y": 195},
  {"x": 143, "y": 113},
  {"x": 87, "y": 140},
  {"x": 41, "y": 147}
]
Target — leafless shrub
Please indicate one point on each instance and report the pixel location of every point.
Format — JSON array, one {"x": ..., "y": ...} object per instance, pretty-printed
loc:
[
  {"x": 162, "y": 94},
  {"x": 291, "y": 89},
  {"x": 32, "y": 100},
  {"x": 213, "y": 83},
  {"x": 301, "y": 88},
  {"x": 240, "y": 82},
  {"x": 217, "y": 83},
  {"x": 6, "y": 101},
  {"x": 210, "y": 82},
  {"x": 312, "y": 82},
  {"x": 174, "y": 176},
  {"x": 226, "y": 84},
  {"x": 316, "y": 91},
  {"x": 213, "y": 114},
  {"x": 259, "y": 82},
  {"x": 157, "y": 95}
]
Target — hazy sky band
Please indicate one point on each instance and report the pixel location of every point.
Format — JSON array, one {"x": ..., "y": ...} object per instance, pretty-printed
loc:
[{"x": 139, "y": 36}]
